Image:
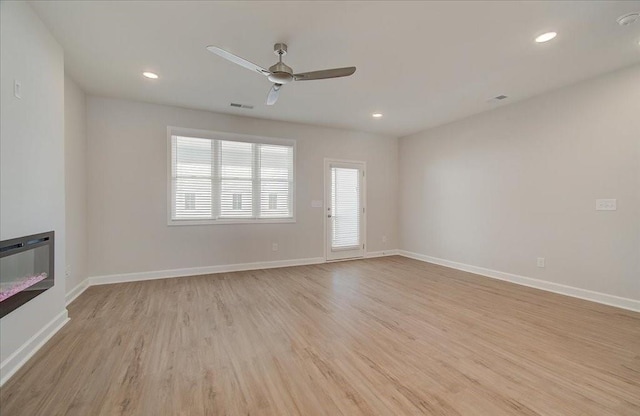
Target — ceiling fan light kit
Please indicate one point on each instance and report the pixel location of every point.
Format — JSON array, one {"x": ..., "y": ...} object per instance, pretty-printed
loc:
[
  {"x": 281, "y": 73},
  {"x": 628, "y": 19}
]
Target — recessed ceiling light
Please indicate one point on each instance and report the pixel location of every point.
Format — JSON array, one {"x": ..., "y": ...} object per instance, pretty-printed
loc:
[
  {"x": 376, "y": 115},
  {"x": 546, "y": 37},
  {"x": 150, "y": 75},
  {"x": 628, "y": 19}
]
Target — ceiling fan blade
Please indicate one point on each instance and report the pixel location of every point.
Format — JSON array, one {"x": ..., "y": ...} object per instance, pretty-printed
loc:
[
  {"x": 274, "y": 92},
  {"x": 325, "y": 73},
  {"x": 237, "y": 60}
]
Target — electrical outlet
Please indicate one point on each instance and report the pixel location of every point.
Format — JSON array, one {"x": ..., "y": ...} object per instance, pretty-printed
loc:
[
  {"x": 606, "y": 204},
  {"x": 67, "y": 271},
  {"x": 384, "y": 239},
  {"x": 540, "y": 262},
  {"x": 274, "y": 246}
]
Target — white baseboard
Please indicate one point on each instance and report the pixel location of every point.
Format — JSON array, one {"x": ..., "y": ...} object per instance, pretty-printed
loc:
[
  {"x": 76, "y": 291},
  {"x": 625, "y": 303},
  {"x": 611, "y": 300},
  {"x": 373, "y": 254},
  {"x": 194, "y": 271},
  {"x": 16, "y": 360}
]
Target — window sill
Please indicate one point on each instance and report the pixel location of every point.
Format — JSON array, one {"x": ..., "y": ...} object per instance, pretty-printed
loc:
[{"x": 236, "y": 221}]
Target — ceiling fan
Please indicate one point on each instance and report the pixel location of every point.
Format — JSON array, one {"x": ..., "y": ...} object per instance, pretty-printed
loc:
[{"x": 281, "y": 73}]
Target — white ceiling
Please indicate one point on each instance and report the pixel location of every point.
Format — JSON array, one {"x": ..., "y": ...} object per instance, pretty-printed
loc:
[{"x": 419, "y": 63}]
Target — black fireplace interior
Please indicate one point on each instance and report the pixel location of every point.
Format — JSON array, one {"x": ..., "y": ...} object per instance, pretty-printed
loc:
[{"x": 26, "y": 269}]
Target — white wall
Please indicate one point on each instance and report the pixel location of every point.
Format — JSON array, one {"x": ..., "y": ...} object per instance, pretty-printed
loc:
[
  {"x": 127, "y": 191},
  {"x": 75, "y": 137},
  {"x": 32, "y": 198},
  {"x": 502, "y": 188}
]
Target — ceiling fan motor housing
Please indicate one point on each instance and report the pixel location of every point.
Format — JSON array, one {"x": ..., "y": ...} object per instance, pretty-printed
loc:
[{"x": 280, "y": 73}]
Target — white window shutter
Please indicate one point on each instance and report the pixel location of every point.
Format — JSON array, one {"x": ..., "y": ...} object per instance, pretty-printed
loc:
[
  {"x": 213, "y": 179},
  {"x": 276, "y": 180},
  {"x": 236, "y": 179},
  {"x": 191, "y": 178}
]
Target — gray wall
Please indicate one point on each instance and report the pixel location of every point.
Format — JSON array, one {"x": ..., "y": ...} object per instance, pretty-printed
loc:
[
  {"x": 75, "y": 137},
  {"x": 32, "y": 193},
  {"x": 502, "y": 188},
  {"x": 127, "y": 191}
]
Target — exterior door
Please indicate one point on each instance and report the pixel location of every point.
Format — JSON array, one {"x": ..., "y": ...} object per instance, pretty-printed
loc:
[{"x": 345, "y": 210}]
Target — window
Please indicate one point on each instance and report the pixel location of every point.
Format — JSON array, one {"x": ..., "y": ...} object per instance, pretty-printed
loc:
[{"x": 222, "y": 178}]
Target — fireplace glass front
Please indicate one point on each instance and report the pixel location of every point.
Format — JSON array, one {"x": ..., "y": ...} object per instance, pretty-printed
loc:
[{"x": 26, "y": 269}]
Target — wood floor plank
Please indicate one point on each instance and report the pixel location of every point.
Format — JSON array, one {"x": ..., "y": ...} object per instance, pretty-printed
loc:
[{"x": 386, "y": 336}]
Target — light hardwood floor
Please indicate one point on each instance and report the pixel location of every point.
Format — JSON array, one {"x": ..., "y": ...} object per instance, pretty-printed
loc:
[{"x": 387, "y": 336}]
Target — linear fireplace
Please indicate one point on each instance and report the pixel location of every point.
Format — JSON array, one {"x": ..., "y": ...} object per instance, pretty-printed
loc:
[{"x": 26, "y": 269}]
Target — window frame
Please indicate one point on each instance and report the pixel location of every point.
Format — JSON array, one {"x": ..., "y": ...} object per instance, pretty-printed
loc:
[{"x": 218, "y": 135}]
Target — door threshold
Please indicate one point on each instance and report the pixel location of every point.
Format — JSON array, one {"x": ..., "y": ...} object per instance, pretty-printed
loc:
[{"x": 348, "y": 259}]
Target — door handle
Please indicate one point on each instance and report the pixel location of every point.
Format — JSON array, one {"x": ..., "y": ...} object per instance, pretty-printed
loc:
[{"x": 329, "y": 216}]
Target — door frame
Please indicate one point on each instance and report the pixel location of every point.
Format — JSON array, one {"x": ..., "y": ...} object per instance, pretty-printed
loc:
[{"x": 327, "y": 197}]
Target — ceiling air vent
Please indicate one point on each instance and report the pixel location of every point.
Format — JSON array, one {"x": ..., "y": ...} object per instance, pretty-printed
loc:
[
  {"x": 248, "y": 107},
  {"x": 497, "y": 99}
]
